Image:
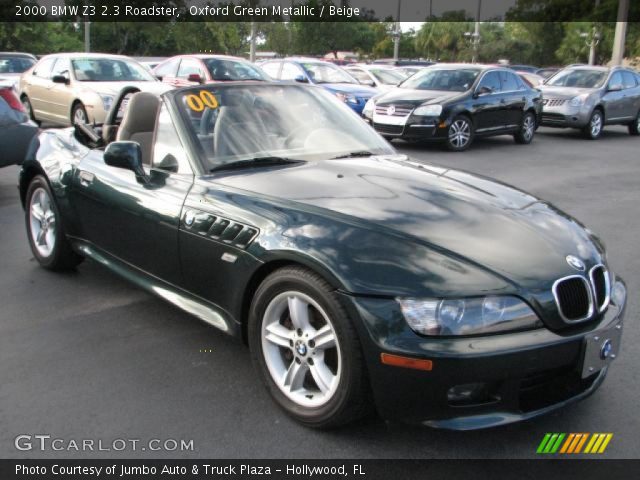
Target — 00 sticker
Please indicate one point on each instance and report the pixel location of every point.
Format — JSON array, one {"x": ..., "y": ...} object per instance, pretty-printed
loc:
[{"x": 203, "y": 99}]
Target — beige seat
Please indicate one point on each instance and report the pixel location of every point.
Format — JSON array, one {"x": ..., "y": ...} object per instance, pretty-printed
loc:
[{"x": 139, "y": 122}]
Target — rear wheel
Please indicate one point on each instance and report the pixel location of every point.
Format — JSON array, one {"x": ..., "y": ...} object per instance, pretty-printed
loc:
[
  {"x": 307, "y": 350},
  {"x": 634, "y": 127},
  {"x": 527, "y": 129},
  {"x": 27, "y": 107},
  {"x": 460, "y": 134},
  {"x": 593, "y": 129},
  {"x": 46, "y": 233}
]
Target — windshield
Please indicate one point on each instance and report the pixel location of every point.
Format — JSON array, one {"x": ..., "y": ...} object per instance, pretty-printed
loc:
[
  {"x": 458, "y": 80},
  {"x": 387, "y": 77},
  {"x": 109, "y": 70},
  {"x": 11, "y": 64},
  {"x": 579, "y": 78},
  {"x": 230, "y": 70},
  {"x": 327, "y": 73},
  {"x": 233, "y": 123}
]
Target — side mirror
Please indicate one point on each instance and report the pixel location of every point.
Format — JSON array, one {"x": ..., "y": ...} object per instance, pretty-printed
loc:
[
  {"x": 616, "y": 87},
  {"x": 195, "y": 77},
  {"x": 168, "y": 163},
  {"x": 369, "y": 83},
  {"x": 482, "y": 91},
  {"x": 301, "y": 79},
  {"x": 127, "y": 155},
  {"x": 60, "y": 79}
]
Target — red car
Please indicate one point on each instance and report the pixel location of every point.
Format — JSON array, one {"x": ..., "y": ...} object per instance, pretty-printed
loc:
[{"x": 185, "y": 70}]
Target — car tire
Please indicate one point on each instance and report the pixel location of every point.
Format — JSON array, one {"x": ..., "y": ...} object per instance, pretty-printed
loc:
[
  {"x": 79, "y": 114},
  {"x": 28, "y": 108},
  {"x": 459, "y": 134},
  {"x": 634, "y": 127},
  {"x": 593, "y": 129},
  {"x": 311, "y": 361},
  {"x": 527, "y": 129},
  {"x": 45, "y": 230}
]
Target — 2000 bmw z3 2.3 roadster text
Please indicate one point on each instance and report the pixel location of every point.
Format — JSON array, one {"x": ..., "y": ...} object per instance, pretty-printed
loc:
[{"x": 358, "y": 278}]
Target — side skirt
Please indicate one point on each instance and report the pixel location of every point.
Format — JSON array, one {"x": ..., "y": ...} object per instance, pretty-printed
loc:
[{"x": 196, "y": 306}]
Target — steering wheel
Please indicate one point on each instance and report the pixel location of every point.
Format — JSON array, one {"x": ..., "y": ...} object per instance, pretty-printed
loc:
[{"x": 110, "y": 126}]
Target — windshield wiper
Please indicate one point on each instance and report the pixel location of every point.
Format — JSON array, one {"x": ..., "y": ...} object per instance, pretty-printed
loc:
[
  {"x": 255, "y": 162},
  {"x": 360, "y": 153}
]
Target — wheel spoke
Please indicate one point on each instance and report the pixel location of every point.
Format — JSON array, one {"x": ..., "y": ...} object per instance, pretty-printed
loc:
[
  {"x": 299, "y": 313},
  {"x": 294, "y": 376},
  {"x": 278, "y": 335},
  {"x": 41, "y": 237},
  {"x": 324, "y": 338},
  {"x": 36, "y": 212},
  {"x": 322, "y": 376}
]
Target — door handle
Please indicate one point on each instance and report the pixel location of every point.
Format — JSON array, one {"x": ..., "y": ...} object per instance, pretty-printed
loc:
[{"x": 86, "y": 178}]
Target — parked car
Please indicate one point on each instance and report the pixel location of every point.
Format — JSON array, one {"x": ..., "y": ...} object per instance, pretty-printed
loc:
[
  {"x": 69, "y": 88},
  {"x": 524, "y": 68},
  {"x": 532, "y": 79},
  {"x": 360, "y": 279},
  {"x": 547, "y": 71},
  {"x": 325, "y": 74},
  {"x": 381, "y": 77},
  {"x": 408, "y": 70},
  {"x": 588, "y": 98},
  {"x": 16, "y": 129},
  {"x": 185, "y": 70},
  {"x": 403, "y": 62},
  {"x": 455, "y": 103},
  {"x": 12, "y": 65}
]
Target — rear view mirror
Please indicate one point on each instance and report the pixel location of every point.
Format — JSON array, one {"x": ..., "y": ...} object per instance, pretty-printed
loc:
[
  {"x": 127, "y": 155},
  {"x": 484, "y": 90},
  {"x": 616, "y": 87}
]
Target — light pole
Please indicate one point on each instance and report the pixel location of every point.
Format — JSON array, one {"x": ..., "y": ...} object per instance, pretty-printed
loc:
[
  {"x": 475, "y": 36},
  {"x": 252, "y": 43},
  {"x": 592, "y": 40},
  {"x": 397, "y": 34},
  {"x": 87, "y": 36},
  {"x": 621, "y": 32}
]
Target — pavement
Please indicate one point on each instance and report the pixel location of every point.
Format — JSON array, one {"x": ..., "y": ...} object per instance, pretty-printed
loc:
[{"x": 87, "y": 356}]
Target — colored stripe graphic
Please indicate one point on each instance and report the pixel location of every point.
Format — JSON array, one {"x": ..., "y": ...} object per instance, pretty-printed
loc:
[{"x": 573, "y": 443}]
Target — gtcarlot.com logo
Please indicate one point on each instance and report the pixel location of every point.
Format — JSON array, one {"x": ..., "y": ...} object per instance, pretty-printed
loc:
[
  {"x": 44, "y": 442},
  {"x": 573, "y": 443}
]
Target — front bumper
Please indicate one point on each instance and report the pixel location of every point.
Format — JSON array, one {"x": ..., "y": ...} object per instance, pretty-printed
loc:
[
  {"x": 411, "y": 127},
  {"x": 521, "y": 375},
  {"x": 565, "y": 116}
]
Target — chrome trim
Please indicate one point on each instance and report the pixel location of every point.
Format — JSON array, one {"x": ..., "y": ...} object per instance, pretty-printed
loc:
[
  {"x": 607, "y": 286},
  {"x": 422, "y": 126},
  {"x": 590, "y": 293}
]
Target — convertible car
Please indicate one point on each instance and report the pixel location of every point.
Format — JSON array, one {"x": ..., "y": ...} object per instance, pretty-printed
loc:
[{"x": 360, "y": 280}]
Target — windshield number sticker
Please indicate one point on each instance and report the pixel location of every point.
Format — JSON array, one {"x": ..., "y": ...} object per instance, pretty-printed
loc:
[{"x": 203, "y": 99}]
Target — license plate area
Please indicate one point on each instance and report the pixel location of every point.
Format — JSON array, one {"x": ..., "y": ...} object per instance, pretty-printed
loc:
[
  {"x": 390, "y": 119},
  {"x": 600, "y": 349}
]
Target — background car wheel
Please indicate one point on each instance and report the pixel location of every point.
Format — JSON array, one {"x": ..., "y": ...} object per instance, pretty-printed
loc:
[
  {"x": 79, "y": 114},
  {"x": 527, "y": 129},
  {"x": 593, "y": 129},
  {"x": 307, "y": 350},
  {"x": 28, "y": 109},
  {"x": 45, "y": 230},
  {"x": 634, "y": 127},
  {"x": 460, "y": 134}
]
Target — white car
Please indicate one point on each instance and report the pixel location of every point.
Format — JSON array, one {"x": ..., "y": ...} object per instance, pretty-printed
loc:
[
  {"x": 70, "y": 88},
  {"x": 378, "y": 76}
]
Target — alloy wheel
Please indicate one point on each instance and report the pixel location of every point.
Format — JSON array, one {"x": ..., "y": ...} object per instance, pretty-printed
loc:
[
  {"x": 42, "y": 220},
  {"x": 459, "y": 133},
  {"x": 301, "y": 349},
  {"x": 596, "y": 124},
  {"x": 79, "y": 116},
  {"x": 528, "y": 127}
]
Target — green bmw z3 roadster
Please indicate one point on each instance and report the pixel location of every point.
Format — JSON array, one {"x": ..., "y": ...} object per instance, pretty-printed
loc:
[{"x": 361, "y": 281}]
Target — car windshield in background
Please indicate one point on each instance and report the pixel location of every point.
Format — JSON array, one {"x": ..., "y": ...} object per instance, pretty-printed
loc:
[
  {"x": 458, "y": 80},
  {"x": 229, "y": 70},
  {"x": 387, "y": 77},
  {"x": 109, "y": 70},
  {"x": 579, "y": 78},
  {"x": 240, "y": 123},
  {"x": 327, "y": 73},
  {"x": 14, "y": 64}
]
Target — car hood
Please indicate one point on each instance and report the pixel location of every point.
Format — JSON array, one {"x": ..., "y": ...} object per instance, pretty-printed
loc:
[
  {"x": 415, "y": 97},
  {"x": 351, "y": 88},
  {"x": 564, "y": 92},
  {"x": 114, "y": 88},
  {"x": 472, "y": 219}
]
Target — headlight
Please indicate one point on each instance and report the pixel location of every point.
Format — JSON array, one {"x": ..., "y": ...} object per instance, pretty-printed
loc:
[
  {"x": 618, "y": 294},
  {"x": 472, "y": 316},
  {"x": 107, "y": 101},
  {"x": 368, "y": 109},
  {"x": 579, "y": 100},
  {"x": 428, "y": 110},
  {"x": 347, "y": 98}
]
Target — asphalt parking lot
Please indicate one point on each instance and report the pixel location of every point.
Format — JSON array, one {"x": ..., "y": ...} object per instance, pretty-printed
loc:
[{"x": 86, "y": 355}]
